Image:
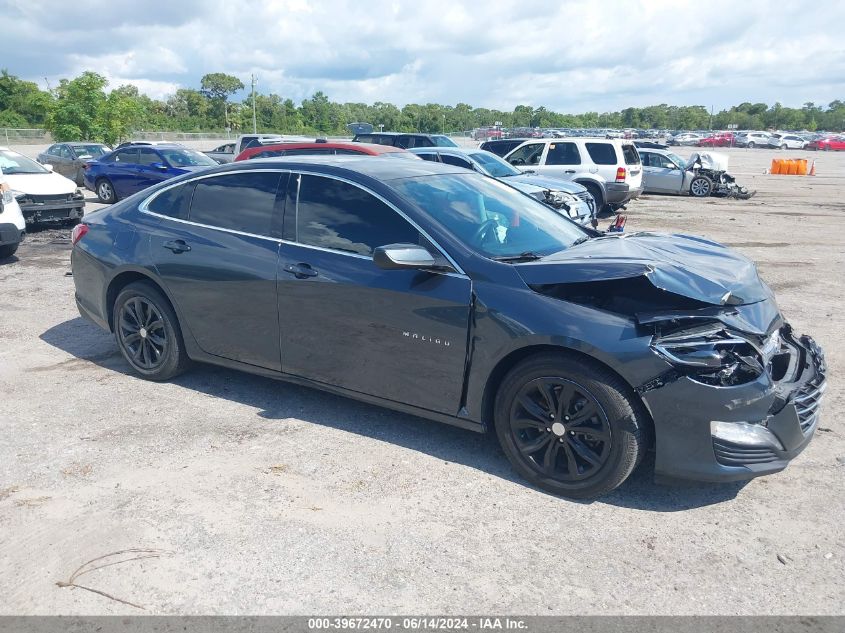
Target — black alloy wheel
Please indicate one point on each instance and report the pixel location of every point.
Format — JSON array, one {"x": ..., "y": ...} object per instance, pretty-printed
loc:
[
  {"x": 147, "y": 332},
  {"x": 140, "y": 329},
  {"x": 570, "y": 425},
  {"x": 560, "y": 429}
]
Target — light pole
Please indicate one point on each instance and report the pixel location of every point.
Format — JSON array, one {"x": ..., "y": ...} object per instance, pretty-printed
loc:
[{"x": 254, "y": 123}]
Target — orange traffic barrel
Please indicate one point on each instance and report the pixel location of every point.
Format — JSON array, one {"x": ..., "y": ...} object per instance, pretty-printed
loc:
[
  {"x": 802, "y": 166},
  {"x": 793, "y": 167},
  {"x": 775, "y": 166}
]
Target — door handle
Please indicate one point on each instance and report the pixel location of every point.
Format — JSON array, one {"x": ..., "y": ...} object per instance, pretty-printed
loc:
[
  {"x": 177, "y": 246},
  {"x": 569, "y": 171},
  {"x": 300, "y": 271}
]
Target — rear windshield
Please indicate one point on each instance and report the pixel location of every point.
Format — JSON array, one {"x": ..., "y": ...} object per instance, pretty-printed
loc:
[
  {"x": 632, "y": 156},
  {"x": 602, "y": 153}
]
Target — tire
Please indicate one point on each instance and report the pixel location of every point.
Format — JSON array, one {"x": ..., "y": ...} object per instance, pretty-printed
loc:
[
  {"x": 598, "y": 459},
  {"x": 700, "y": 187},
  {"x": 784, "y": 146},
  {"x": 105, "y": 191},
  {"x": 595, "y": 191},
  {"x": 8, "y": 250},
  {"x": 751, "y": 145},
  {"x": 139, "y": 311}
]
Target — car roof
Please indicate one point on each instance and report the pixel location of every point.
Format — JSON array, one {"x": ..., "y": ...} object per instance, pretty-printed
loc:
[
  {"x": 371, "y": 148},
  {"x": 146, "y": 145},
  {"x": 382, "y": 170},
  {"x": 454, "y": 151}
]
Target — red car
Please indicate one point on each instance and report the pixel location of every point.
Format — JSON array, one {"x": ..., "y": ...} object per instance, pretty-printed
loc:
[
  {"x": 303, "y": 149},
  {"x": 720, "y": 139},
  {"x": 831, "y": 142}
]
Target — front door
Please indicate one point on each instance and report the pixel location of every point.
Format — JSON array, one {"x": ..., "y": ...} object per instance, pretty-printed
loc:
[
  {"x": 396, "y": 334},
  {"x": 660, "y": 174},
  {"x": 216, "y": 252}
]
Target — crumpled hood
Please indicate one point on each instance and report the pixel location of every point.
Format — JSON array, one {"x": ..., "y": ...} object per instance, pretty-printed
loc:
[
  {"x": 686, "y": 265},
  {"x": 547, "y": 182},
  {"x": 45, "y": 184}
]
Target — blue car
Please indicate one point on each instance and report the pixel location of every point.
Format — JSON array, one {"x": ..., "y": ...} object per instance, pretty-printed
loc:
[{"x": 131, "y": 168}]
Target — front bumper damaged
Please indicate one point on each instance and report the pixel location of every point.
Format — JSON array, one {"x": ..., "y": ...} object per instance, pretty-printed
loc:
[{"x": 727, "y": 433}]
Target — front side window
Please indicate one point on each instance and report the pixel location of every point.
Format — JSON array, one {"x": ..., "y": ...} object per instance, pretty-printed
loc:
[
  {"x": 429, "y": 156},
  {"x": 340, "y": 216},
  {"x": 306, "y": 151},
  {"x": 126, "y": 156},
  {"x": 147, "y": 157},
  {"x": 563, "y": 154},
  {"x": 457, "y": 161},
  {"x": 441, "y": 140},
  {"x": 186, "y": 158},
  {"x": 240, "y": 201},
  {"x": 488, "y": 216},
  {"x": 64, "y": 152},
  {"x": 527, "y": 154},
  {"x": 494, "y": 166},
  {"x": 602, "y": 153}
]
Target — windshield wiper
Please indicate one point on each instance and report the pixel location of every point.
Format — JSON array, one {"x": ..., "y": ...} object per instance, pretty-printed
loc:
[
  {"x": 527, "y": 256},
  {"x": 580, "y": 240}
]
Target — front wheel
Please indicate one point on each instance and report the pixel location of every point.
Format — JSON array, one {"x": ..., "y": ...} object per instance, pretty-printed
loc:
[
  {"x": 784, "y": 146},
  {"x": 570, "y": 426},
  {"x": 700, "y": 187},
  {"x": 8, "y": 250},
  {"x": 147, "y": 332},
  {"x": 105, "y": 191},
  {"x": 751, "y": 145}
]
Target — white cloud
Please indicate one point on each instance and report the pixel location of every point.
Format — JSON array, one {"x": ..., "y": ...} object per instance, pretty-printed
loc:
[{"x": 569, "y": 56}]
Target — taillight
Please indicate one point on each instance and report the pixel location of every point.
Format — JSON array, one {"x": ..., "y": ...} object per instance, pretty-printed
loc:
[
  {"x": 620, "y": 174},
  {"x": 78, "y": 233}
]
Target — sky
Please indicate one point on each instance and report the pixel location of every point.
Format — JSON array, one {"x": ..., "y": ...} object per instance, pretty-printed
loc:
[{"x": 569, "y": 56}]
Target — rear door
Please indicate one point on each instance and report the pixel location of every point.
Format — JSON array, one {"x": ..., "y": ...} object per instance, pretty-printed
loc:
[
  {"x": 216, "y": 249},
  {"x": 395, "y": 334},
  {"x": 562, "y": 159},
  {"x": 661, "y": 174},
  {"x": 123, "y": 171}
]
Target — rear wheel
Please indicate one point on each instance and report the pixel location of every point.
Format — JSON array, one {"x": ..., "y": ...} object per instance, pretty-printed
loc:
[
  {"x": 570, "y": 426},
  {"x": 751, "y": 145},
  {"x": 596, "y": 192},
  {"x": 784, "y": 146},
  {"x": 147, "y": 332},
  {"x": 105, "y": 191},
  {"x": 700, "y": 187}
]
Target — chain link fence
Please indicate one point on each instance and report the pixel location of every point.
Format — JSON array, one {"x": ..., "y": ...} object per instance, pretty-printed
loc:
[{"x": 23, "y": 136}]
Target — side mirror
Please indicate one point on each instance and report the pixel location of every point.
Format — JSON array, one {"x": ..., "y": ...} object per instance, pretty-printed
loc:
[
  {"x": 159, "y": 166},
  {"x": 48, "y": 166},
  {"x": 402, "y": 256}
]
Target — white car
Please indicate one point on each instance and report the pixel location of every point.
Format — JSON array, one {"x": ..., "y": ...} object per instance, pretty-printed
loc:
[
  {"x": 610, "y": 169},
  {"x": 752, "y": 139},
  {"x": 43, "y": 196},
  {"x": 12, "y": 225},
  {"x": 787, "y": 141}
]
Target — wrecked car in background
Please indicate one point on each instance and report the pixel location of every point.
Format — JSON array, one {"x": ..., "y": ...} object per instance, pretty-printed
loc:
[
  {"x": 441, "y": 292},
  {"x": 702, "y": 174}
]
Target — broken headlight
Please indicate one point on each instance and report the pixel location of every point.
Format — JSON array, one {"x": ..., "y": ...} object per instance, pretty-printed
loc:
[
  {"x": 710, "y": 355},
  {"x": 561, "y": 198}
]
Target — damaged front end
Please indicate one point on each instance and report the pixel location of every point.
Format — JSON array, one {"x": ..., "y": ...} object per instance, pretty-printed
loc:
[
  {"x": 714, "y": 167},
  {"x": 739, "y": 392}
]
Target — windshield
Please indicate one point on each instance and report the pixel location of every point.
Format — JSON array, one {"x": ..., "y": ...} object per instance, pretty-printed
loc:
[
  {"x": 186, "y": 158},
  {"x": 94, "y": 151},
  {"x": 495, "y": 166},
  {"x": 13, "y": 163},
  {"x": 443, "y": 141},
  {"x": 490, "y": 217},
  {"x": 680, "y": 162}
]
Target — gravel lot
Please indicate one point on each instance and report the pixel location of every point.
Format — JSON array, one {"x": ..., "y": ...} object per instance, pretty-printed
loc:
[{"x": 271, "y": 498}]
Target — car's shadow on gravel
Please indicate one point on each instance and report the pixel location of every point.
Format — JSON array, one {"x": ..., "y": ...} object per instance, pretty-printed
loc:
[{"x": 278, "y": 400}]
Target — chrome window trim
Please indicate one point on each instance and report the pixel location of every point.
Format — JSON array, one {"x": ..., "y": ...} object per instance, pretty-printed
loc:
[
  {"x": 144, "y": 208},
  {"x": 425, "y": 234}
]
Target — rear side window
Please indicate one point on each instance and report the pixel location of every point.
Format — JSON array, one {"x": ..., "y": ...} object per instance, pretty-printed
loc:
[
  {"x": 125, "y": 156},
  {"x": 429, "y": 156},
  {"x": 238, "y": 201},
  {"x": 269, "y": 153},
  {"x": 563, "y": 154},
  {"x": 602, "y": 153},
  {"x": 308, "y": 151},
  {"x": 173, "y": 202},
  {"x": 338, "y": 215},
  {"x": 147, "y": 156},
  {"x": 632, "y": 156}
]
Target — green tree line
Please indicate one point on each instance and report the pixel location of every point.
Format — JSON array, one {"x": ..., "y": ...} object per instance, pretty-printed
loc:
[{"x": 84, "y": 108}]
